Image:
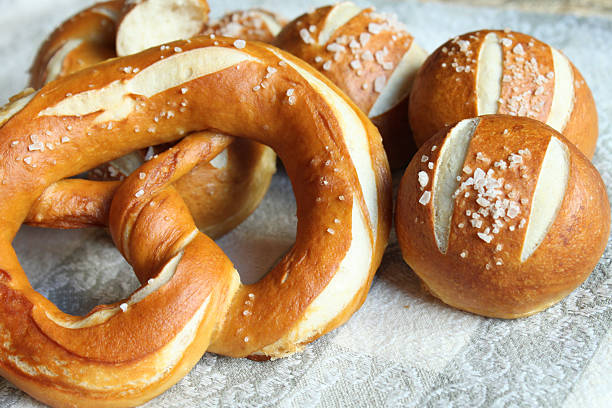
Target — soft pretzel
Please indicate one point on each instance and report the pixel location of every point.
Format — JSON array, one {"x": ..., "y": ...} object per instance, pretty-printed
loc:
[
  {"x": 85, "y": 39},
  {"x": 191, "y": 299},
  {"x": 489, "y": 71},
  {"x": 371, "y": 57},
  {"x": 220, "y": 193},
  {"x": 253, "y": 25},
  {"x": 501, "y": 216}
]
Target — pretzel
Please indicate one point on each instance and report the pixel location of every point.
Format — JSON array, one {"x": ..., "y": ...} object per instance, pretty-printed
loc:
[
  {"x": 501, "y": 216},
  {"x": 506, "y": 72},
  {"x": 371, "y": 57},
  {"x": 253, "y": 24},
  {"x": 233, "y": 183},
  {"x": 191, "y": 300}
]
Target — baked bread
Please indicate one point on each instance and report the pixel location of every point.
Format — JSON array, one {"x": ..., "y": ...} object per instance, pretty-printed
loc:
[
  {"x": 371, "y": 57},
  {"x": 493, "y": 71},
  {"x": 191, "y": 299},
  {"x": 501, "y": 216},
  {"x": 83, "y": 40},
  {"x": 221, "y": 193}
]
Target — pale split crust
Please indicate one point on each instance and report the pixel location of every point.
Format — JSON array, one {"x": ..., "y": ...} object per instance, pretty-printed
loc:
[
  {"x": 148, "y": 23},
  {"x": 367, "y": 55},
  {"x": 445, "y": 89},
  {"x": 219, "y": 198},
  {"x": 132, "y": 350},
  {"x": 484, "y": 274}
]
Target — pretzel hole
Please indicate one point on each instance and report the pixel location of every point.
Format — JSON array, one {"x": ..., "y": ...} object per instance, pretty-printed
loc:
[{"x": 76, "y": 270}]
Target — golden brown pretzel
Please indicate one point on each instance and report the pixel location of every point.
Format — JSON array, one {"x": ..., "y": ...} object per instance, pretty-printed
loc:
[
  {"x": 128, "y": 352},
  {"x": 494, "y": 71},
  {"x": 85, "y": 39},
  {"x": 371, "y": 57},
  {"x": 220, "y": 193},
  {"x": 501, "y": 216}
]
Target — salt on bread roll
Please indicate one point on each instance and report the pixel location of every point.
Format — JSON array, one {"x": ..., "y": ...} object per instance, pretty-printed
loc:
[
  {"x": 252, "y": 25},
  {"x": 371, "y": 57},
  {"x": 492, "y": 71},
  {"x": 221, "y": 193},
  {"x": 501, "y": 216}
]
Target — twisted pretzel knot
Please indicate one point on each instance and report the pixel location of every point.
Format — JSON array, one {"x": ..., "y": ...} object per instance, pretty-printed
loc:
[
  {"x": 234, "y": 183},
  {"x": 191, "y": 299}
]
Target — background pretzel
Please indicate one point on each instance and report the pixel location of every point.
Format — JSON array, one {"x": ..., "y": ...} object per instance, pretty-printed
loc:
[
  {"x": 128, "y": 352},
  {"x": 370, "y": 56},
  {"x": 220, "y": 193}
]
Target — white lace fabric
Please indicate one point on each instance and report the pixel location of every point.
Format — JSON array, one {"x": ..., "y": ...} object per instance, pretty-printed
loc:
[{"x": 402, "y": 348}]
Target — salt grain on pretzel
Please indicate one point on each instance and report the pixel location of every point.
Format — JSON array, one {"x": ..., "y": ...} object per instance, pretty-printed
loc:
[{"x": 191, "y": 299}]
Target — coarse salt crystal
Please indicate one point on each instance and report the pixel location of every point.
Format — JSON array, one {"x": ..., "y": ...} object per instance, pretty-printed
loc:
[{"x": 423, "y": 178}]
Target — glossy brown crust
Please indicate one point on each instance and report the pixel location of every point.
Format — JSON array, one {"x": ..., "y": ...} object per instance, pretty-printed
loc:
[
  {"x": 95, "y": 26},
  {"x": 391, "y": 124},
  {"x": 126, "y": 345},
  {"x": 444, "y": 92},
  {"x": 493, "y": 282},
  {"x": 73, "y": 204},
  {"x": 357, "y": 81},
  {"x": 438, "y": 87},
  {"x": 246, "y": 24},
  {"x": 220, "y": 199}
]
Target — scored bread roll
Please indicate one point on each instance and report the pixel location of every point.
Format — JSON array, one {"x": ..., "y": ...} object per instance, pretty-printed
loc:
[
  {"x": 501, "y": 216},
  {"x": 371, "y": 57},
  {"x": 493, "y": 71},
  {"x": 252, "y": 25}
]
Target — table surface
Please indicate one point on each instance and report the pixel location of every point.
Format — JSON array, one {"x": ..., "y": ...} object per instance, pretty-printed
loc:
[{"x": 403, "y": 347}]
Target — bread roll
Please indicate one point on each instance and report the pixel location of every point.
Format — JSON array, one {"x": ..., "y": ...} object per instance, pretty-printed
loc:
[
  {"x": 501, "y": 216},
  {"x": 488, "y": 72}
]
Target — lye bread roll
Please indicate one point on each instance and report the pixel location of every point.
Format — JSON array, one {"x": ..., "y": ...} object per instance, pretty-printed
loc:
[
  {"x": 488, "y": 72},
  {"x": 501, "y": 216},
  {"x": 370, "y": 56},
  {"x": 252, "y": 25}
]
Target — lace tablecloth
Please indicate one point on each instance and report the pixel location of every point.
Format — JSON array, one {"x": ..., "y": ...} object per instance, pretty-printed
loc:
[{"x": 402, "y": 348}]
